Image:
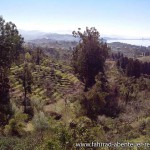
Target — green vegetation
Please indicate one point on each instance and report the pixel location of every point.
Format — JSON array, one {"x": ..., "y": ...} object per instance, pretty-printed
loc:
[
  {"x": 89, "y": 56},
  {"x": 133, "y": 67},
  {"x": 10, "y": 45},
  {"x": 50, "y": 102}
]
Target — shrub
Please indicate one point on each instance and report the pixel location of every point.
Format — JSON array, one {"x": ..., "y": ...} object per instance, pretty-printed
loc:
[
  {"x": 16, "y": 125},
  {"x": 40, "y": 121}
]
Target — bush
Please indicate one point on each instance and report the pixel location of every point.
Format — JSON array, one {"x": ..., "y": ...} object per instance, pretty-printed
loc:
[
  {"x": 40, "y": 121},
  {"x": 16, "y": 125},
  {"x": 53, "y": 145}
]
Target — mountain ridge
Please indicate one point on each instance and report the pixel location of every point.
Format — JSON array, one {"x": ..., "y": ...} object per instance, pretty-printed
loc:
[{"x": 36, "y": 34}]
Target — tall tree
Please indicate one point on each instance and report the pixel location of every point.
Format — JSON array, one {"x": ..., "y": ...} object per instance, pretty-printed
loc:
[
  {"x": 10, "y": 47},
  {"x": 137, "y": 68},
  {"x": 89, "y": 56},
  {"x": 38, "y": 57},
  {"x": 27, "y": 81},
  {"x": 10, "y": 43}
]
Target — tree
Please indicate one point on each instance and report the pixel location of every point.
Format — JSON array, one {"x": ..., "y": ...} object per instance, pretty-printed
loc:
[
  {"x": 10, "y": 47},
  {"x": 27, "y": 81},
  {"x": 10, "y": 43},
  {"x": 89, "y": 56},
  {"x": 95, "y": 99},
  {"x": 137, "y": 68},
  {"x": 129, "y": 67},
  {"x": 38, "y": 57},
  {"x": 5, "y": 109}
]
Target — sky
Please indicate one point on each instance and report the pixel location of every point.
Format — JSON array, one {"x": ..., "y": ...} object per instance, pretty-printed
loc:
[{"x": 125, "y": 18}]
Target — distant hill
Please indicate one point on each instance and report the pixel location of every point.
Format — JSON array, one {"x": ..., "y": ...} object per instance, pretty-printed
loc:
[
  {"x": 31, "y": 35},
  {"x": 128, "y": 49},
  {"x": 67, "y": 41},
  {"x": 59, "y": 44},
  {"x": 60, "y": 37},
  {"x": 34, "y": 35},
  {"x": 145, "y": 59}
]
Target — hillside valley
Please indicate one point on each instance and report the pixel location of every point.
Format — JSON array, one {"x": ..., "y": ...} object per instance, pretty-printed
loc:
[{"x": 59, "y": 94}]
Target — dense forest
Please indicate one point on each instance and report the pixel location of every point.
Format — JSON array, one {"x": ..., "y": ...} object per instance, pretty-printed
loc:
[{"x": 65, "y": 99}]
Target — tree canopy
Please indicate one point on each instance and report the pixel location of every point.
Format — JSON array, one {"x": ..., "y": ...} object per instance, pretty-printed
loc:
[
  {"x": 89, "y": 55},
  {"x": 10, "y": 42},
  {"x": 10, "y": 47}
]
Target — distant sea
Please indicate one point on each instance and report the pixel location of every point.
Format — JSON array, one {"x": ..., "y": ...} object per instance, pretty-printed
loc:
[{"x": 133, "y": 42}]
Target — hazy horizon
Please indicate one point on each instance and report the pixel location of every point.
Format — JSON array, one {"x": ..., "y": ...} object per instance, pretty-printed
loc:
[{"x": 117, "y": 18}]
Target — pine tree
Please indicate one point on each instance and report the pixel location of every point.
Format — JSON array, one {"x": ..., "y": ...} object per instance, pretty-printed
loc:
[
  {"x": 27, "y": 81},
  {"x": 10, "y": 48},
  {"x": 89, "y": 56}
]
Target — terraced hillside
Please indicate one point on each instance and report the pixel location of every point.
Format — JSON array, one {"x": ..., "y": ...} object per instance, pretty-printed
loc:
[{"x": 53, "y": 85}]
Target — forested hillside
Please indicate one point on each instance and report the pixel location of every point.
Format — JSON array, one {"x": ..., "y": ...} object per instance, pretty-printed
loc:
[{"x": 52, "y": 98}]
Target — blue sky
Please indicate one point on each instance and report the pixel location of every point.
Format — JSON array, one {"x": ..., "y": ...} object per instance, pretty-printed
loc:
[{"x": 130, "y": 18}]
